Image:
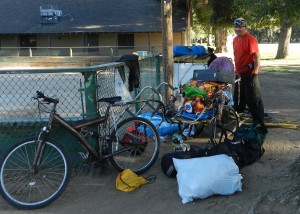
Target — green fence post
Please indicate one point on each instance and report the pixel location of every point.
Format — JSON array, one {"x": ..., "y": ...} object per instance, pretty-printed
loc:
[
  {"x": 157, "y": 65},
  {"x": 91, "y": 110},
  {"x": 90, "y": 94}
]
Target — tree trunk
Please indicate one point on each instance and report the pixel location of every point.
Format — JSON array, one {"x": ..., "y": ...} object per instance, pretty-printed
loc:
[
  {"x": 167, "y": 34},
  {"x": 284, "y": 39},
  {"x": 221, "y": 39},
  {"x": 209, "y": 40}
]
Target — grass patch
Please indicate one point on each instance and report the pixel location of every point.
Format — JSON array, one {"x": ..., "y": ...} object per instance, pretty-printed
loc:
[
  {"x": 281, "y": 68},
  {"x": 287, "y": 60}
]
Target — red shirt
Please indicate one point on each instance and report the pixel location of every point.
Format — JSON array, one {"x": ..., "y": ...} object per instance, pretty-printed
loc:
[{"x": 243, "y": 50}]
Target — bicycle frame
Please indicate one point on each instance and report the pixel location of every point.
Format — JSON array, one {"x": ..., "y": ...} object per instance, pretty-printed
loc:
[{"x": 73, "y": 129}]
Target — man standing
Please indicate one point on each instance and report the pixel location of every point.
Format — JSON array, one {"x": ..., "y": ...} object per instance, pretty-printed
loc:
[{"x": 247, "y": 65}]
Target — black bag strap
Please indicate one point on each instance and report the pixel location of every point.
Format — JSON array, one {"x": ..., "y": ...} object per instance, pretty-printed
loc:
[{"x": 151, "y": 179}]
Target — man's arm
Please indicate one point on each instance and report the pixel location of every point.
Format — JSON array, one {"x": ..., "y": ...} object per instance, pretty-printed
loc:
[{"x": 256, "y": 62}]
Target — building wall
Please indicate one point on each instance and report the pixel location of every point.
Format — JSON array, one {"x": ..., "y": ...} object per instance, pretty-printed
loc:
[
  {"x": 61, "y": 43},
  {"x": 43, "y": 41},
  {"x": 9, "y": 41},
  {"x": 177, "y": 39},
  {"x": 156, "y": 42},
  {"x": 107, "y": 40},
  {"x": 72, "y": 40},
  {"x": 141, "y": 42}
]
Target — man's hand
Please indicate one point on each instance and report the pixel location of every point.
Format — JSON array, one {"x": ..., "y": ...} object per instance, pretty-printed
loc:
[{"x": 256, "y": 63}]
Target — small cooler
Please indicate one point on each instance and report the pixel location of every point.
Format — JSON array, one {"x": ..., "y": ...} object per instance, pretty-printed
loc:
[{"x": 214, "y": 76}]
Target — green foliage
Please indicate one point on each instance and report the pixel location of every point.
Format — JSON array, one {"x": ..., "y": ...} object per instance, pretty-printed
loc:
[
  {"x": 224, "y": 12},
  {"x": 269, "y": 13},
  {"x": 259, "y": 13},
  {"x": 201, "y": 17}
]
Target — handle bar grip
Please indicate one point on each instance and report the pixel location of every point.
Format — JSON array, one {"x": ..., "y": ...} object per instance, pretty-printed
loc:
[
  {"x": 46, "y": 99},
  {"x": 39, "y": 94}
]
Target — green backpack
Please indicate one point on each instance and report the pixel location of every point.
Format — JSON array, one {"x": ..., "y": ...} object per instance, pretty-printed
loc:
[{"x": 254, "y": 133}]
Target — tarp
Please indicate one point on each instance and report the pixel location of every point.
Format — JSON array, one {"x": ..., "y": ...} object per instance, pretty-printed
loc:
[{"x": 179, "y": 50}]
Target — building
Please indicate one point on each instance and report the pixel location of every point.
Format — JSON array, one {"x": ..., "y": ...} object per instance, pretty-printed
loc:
[{"x": 87, "y": 27}]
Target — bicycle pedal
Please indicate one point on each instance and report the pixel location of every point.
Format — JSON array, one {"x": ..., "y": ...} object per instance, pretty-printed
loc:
[{"x": 84, "y": 156}]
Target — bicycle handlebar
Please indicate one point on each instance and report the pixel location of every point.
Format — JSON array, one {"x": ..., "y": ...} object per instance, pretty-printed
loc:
[{"x": 40, "y": 95}]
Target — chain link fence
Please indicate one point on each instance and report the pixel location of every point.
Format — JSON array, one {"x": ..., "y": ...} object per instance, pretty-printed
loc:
[{"x": 74, "y": 87}]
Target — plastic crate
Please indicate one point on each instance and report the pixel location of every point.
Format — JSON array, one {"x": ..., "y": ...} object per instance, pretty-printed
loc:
[{"x": 214, "y": 75}]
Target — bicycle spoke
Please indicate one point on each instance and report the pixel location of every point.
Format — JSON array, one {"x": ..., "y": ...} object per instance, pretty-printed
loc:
[
  {"x": 139, "y": 140},
  {"x": 25, "y": 189}
]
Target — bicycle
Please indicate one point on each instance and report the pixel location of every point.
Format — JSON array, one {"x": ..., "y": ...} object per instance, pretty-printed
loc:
[{"x": 35, "y": 172}]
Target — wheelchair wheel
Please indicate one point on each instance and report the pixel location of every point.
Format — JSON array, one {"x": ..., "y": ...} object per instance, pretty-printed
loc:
[
  {"x": 226, "y": 127},
  {"x": 212, "y": 131},
  {"x": 190, "y": 130}
]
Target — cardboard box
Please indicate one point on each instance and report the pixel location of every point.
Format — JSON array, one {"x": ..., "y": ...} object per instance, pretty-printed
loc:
[{"x": 214, "y": 75}]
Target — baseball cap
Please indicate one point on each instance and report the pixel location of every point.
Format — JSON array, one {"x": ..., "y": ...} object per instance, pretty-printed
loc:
[{"x": 240, "y": 22}]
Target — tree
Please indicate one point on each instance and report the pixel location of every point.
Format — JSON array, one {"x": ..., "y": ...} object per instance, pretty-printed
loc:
[
  {"x": 287, "y": 13},
  {"x": 284, "y": 13},
  {"x": 167, "y": 38},
  {"x": 216, "y": 16},
  {"x": 222, "y": 17},
  {"x": 201, "y": 18}
]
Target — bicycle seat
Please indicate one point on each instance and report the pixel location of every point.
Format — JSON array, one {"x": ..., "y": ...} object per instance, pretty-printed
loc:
[{"x": 110, "y": 100}]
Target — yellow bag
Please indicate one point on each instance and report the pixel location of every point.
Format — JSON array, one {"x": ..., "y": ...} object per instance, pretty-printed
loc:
[{"x": 128, "y": 181}]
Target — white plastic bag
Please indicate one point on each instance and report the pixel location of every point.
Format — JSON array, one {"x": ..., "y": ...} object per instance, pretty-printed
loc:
[
  {"x": 199, "y": 178},
  {"x": 120, "y": 88}
]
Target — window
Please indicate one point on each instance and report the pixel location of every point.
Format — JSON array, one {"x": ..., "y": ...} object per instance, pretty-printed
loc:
[
  {"x": 126, "y": 40},
  {"x": 28, "y": 41}
]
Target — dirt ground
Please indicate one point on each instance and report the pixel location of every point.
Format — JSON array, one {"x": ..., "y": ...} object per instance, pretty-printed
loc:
[{"x": 97, "y": 193}]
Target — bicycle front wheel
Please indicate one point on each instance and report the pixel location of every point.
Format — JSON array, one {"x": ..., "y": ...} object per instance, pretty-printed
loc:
[
  {"x": 134, "y": 145},
  {"x": 25, "y": 188}
]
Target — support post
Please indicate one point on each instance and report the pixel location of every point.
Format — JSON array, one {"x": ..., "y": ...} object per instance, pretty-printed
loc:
[{"x": 167, "y": 39}]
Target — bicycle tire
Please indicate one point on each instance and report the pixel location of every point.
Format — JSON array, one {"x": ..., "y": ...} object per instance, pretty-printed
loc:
[
  {"x": 22, "y": 188},
  {"x": 142, "y": 136}
]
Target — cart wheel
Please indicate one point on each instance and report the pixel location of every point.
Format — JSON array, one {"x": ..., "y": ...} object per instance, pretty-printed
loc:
[
  {"x": 190, "y": 130},
  {"x": 212, "y": 131},
  {"x": 225, "y": 128}
]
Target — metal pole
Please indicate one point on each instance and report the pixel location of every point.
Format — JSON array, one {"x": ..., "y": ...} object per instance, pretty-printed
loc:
[{"x": 157, "y": 65}]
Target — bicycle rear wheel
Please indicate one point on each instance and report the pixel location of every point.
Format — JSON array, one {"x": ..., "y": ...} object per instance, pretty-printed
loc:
[
  {"x": 135, "y": 145},
  {"x": 25, "y": 189}
]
